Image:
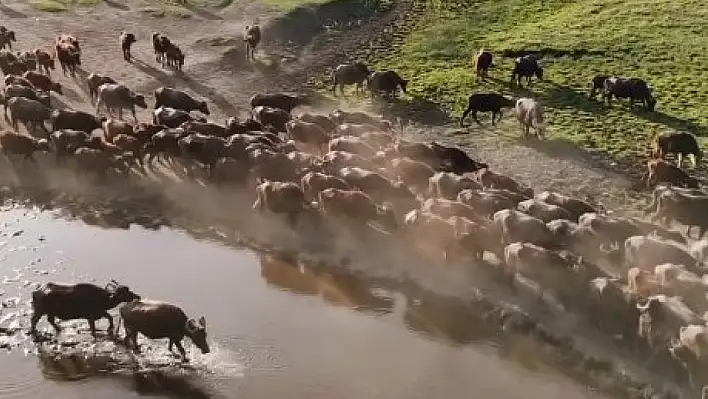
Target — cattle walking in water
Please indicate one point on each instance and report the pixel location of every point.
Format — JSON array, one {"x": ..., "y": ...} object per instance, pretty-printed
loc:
[{"x": 79, "y": 301}]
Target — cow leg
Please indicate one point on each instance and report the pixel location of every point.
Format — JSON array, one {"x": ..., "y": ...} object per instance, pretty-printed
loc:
[
  {"x": 464, "y": 115},
  {"x": 92, "y": 326},
  {"x": 180, "y": 348},
  {"x": 33, "y": 322},
  {"x": 474, "y": 116},
  {"x": 53, "y": 321},
  {"x": 110, "y": 323},
  {"x": 679, "y": 159}
]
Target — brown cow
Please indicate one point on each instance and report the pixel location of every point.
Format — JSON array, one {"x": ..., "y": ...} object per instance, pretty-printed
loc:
[
  {"x": 660, "y": 171},
  {"x": 281, "y": 198}
]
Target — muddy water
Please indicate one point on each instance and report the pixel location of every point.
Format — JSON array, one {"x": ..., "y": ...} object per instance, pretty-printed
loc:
[{"x": 276, "y": 330}]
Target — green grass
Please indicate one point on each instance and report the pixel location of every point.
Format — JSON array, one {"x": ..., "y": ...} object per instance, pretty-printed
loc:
[
  {"x": 663, "y": 41},
  {"x": 61, "y": 5}
]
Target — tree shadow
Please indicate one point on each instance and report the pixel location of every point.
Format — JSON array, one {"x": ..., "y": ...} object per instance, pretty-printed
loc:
[
  {"x": 670, "y": 121},
  {"x": 117, "y": 5},
  {"x": 566, "y": 96},
  {"x": 10, "y": 13}
]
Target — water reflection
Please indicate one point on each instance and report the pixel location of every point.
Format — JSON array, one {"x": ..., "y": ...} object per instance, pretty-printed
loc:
[
  {"x": 74, "y": 365},
  {"x": 335, "y": 287}
]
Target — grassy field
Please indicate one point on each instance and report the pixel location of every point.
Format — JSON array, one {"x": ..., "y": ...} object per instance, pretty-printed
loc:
[{"x": 662, "y": 41}]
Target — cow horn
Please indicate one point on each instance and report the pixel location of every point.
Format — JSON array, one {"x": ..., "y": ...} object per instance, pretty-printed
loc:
[{"x": 202, "y": 321}]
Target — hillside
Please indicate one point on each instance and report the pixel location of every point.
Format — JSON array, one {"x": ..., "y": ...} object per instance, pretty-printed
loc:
[{"x": 660, "y": 41}]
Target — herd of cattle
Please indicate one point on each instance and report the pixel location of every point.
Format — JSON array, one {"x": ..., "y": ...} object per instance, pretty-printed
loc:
[{"x": 350, "y": 170}]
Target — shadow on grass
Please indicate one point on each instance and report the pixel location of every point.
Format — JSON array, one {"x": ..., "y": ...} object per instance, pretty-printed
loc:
[
  {"x": 413, "y": 108},
  {"x": 566, "y": 96},
  {"x": 10, "y": 13},
  {"x": 671, "y": 121}
]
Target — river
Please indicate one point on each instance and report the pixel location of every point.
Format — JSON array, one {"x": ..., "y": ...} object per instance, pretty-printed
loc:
[{"x": 276, "y": 329}]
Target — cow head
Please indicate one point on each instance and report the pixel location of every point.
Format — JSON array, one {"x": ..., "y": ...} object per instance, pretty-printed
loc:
[
  {"x": 121, "y": 293},
  {"x": 197, "y": 333}
]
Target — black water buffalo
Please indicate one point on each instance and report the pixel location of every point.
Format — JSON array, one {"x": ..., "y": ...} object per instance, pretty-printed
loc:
[
  {"x": 387, "y": 82},
  {"x": 486, "y": 102},
  {"x": 285, "y": 101},
  {"x": 349, "y": 74},
  {"x": 679, "y": 143},
  {"x": 162, "y": 320},
  {"x": 483, "y": 62},
  {"x": 79, "y": 301},
  {"x": 635, "y": 89},
  {"x": 526, "y": 66}
]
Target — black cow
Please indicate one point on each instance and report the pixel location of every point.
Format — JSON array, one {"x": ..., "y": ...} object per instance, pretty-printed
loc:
[
  {"x": 679, "y": 143},
  {"x": 483, "y": 62},
  {"x": 349, "y": 74},
  {"x": 486, "y": 102},
  {"x": 635, "y": 89},
  {"x": 526, "y": 66},
  {"x": 387, "y": 82}
]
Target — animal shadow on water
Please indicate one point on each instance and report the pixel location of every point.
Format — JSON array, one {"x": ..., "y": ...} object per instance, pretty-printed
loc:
[
  {"x": 10, "y": 13},
  {"x": 75, "y": 365}
]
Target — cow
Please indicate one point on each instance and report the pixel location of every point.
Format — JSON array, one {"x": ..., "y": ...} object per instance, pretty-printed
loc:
[
  {"x": 349, "y": 74},
  {"x": 126, "y": 42},
  {"x": 252, "y": 38},
  {"x": 526, "y": 66},
  {"x": 483, "y": 62},
  {"x": 529, "y": 113},
  {"x": 162, "y": 320},
  {"x": 679, "y": 143},
  {"x": 387, "y": 82},
  {"x": 486, "y": 102},
  {"x": 635, "y": 89},
  {"x": 78, "y": 301},
  {"x": 660, "y": 171}
]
